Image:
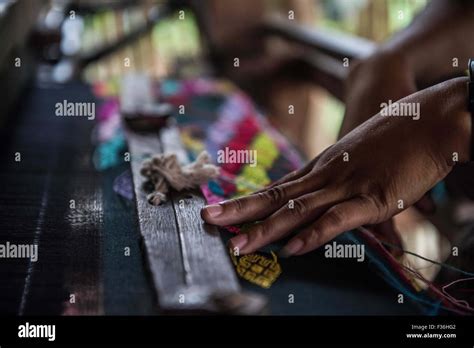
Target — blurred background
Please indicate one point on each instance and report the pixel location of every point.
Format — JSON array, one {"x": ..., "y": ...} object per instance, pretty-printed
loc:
[{"x": 89, "y": 40}]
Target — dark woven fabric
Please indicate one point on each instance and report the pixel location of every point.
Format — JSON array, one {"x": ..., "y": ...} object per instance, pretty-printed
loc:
[{"x": 80, "y": 250}]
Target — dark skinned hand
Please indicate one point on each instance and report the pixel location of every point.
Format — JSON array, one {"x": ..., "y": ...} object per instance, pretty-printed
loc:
[{"x": 371, "y": 174}]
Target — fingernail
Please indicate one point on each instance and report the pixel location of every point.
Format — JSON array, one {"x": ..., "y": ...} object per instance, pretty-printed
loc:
[
  {"x": 213, "y": 210},
  {"x": 291, "y": 248},
  {"x": 239, "y": 242}
]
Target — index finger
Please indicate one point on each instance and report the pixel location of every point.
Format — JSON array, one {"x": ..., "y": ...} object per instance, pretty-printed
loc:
[{"x": 256, "y": 206}]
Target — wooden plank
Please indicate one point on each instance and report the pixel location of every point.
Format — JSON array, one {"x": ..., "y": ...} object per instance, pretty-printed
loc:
[
  {"x": 157, "y": 226},
  {"x": 189, "y": 264},
  {"x": 323, "y": 70},
  {"x": 209, "y": 267},
  {"x": 337, "y": 45},
  {"x": 326, "y": 50}
]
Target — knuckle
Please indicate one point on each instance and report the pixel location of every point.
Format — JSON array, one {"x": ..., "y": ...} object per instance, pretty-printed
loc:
[
  {"x": 368, "y": 199},
  {"x": 377, "y": 195},
  {"x": 274, "y": 196},
  {"x": 313, "y": 238},
  {"x": 378, "y": 205},
  {"x": 335, "y": 216},
  {"x": 290, "y": 176},
  {"x": 237, "y": 205},
  {"x": 301, "y": 181},
  {"x": 258, "y": 233},
  {"x": 300, "y": 208}
]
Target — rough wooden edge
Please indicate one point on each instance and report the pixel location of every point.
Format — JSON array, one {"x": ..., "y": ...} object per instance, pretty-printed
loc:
[{"x": 188, "y": 261}]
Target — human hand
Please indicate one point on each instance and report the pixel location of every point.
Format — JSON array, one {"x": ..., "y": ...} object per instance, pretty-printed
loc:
[
  {"x": 374, "y": 172},
  {"x": 385, "y": 75}
]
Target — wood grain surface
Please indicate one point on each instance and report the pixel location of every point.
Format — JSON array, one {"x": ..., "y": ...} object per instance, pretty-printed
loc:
[{"x": 188, "y": 261}]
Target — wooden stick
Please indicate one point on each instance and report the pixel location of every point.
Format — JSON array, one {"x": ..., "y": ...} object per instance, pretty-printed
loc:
[{"x": 189, "y": 263}]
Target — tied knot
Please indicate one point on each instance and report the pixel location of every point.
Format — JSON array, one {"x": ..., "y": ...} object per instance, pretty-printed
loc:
[{"x": 164, "y": 171}]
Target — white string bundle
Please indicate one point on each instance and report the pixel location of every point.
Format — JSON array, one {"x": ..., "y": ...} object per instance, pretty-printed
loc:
[{"x": 164, "y": 171}]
